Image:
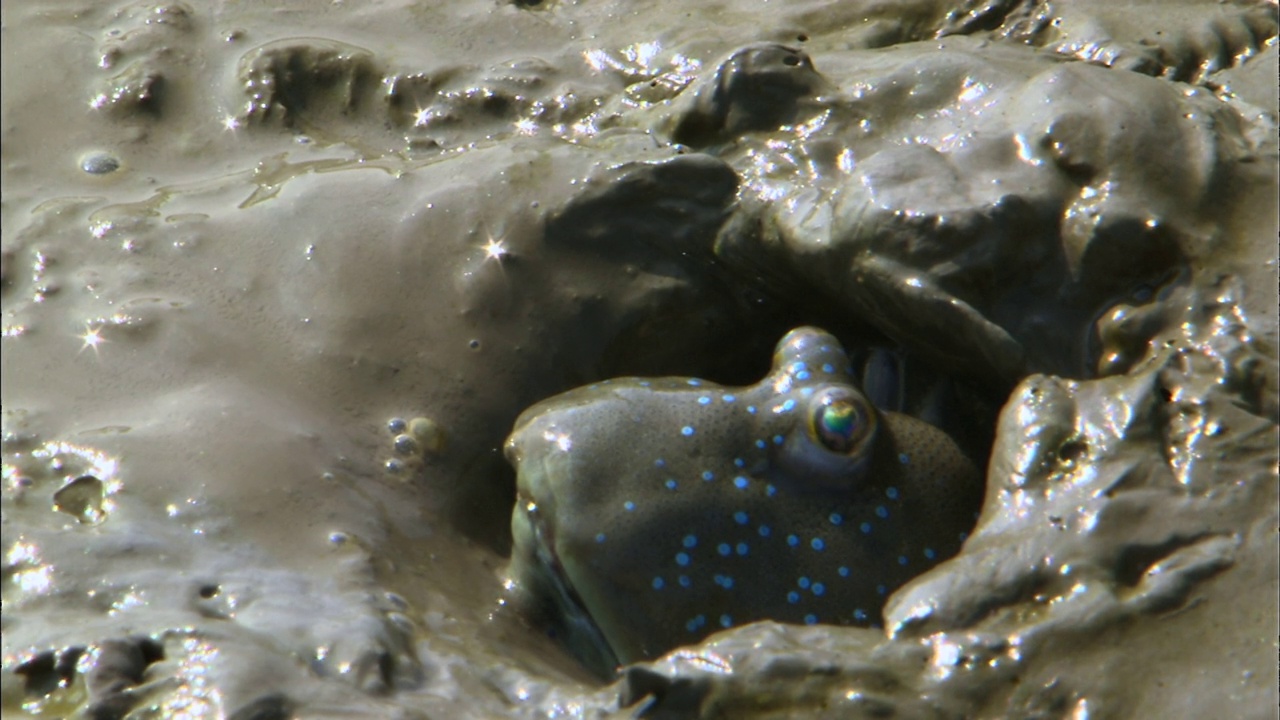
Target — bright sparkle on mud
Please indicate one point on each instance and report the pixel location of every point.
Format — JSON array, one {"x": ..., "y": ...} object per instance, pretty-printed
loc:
[
  {"x": 92, "y": 338},
  {"x": 495, "y": 250}
]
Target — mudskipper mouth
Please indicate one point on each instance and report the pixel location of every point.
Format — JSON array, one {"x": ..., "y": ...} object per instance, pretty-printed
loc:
[{"x": 568, "y": 620}]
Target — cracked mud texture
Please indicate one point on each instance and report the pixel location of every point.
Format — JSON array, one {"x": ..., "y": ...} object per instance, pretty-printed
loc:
[{"x": 277, "y": 281}]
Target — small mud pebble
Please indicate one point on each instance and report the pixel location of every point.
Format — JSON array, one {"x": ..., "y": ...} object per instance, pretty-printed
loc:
[{"x": 99, "y": 163}]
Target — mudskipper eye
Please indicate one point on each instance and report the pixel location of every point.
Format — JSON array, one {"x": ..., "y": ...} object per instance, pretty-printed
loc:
[{"x": 841, "y": 421}]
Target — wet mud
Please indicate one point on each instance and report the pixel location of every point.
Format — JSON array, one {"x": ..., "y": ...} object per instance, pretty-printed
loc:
[{"x": 279, "y": 280}]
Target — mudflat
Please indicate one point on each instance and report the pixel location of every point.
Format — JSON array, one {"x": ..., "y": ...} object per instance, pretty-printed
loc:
[{"x": 278, "y": 281}]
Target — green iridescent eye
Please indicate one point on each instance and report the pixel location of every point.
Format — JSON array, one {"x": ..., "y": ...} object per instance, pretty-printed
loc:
[{"x": 840, "y": 421}]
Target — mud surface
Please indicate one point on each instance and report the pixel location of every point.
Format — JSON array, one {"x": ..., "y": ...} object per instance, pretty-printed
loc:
[{"x": 278, "y": 280}]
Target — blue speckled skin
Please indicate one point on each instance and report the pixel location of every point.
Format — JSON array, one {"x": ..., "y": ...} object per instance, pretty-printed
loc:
[{"x": 651, "y": 513}]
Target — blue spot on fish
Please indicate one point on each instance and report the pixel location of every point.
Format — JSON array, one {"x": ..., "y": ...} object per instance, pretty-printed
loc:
[
  {"x": 817, "y": 544},
  {"x": 682, "y": 559},
  {"x": 687, "y": 430},
  {"x": 690, "y": 541},
  {"x": 658, "y": 583},
  {"x": 724, "y": 549},
  {"x": 836, "y": 518},
  {"x": 740, "y": 517},
  {"x": 892, "y": 493},
  {"x": 740, "y": 483}
]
